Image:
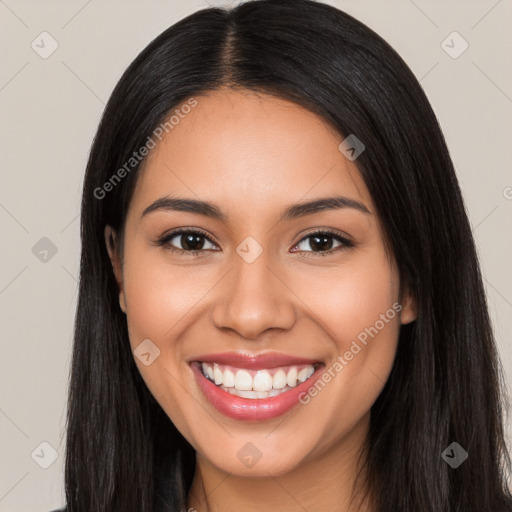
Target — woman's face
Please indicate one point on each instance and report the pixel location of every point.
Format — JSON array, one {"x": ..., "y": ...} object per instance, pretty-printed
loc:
[{"x": 260, "y": 283}]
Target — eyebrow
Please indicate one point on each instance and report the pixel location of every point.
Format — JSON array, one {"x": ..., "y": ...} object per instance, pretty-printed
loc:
[{"x": 291, "y": 212}]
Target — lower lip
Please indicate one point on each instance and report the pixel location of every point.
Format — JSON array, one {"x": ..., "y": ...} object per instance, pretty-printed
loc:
[{"x": 252, "y": 409}]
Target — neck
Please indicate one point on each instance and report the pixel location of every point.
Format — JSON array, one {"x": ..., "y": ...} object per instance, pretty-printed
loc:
[{"x": 325, "y": 481}]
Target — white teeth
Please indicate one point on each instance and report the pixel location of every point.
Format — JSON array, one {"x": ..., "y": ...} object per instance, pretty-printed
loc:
[
  {"x": 243, "y": 381},
  {"x": 279, "y": 380},
  {"x": 229, "y": 379},
  {"x": 255, "y": 394},
  {"x": 217, "y": 375},
  {"x": 245, "y": 394},
  {"x": 305, "y": 373},
  {"x": 262, "y": 381},
  {"x": 262, "y": 385},
  {"x": 291, "y": 378},
  {"x": 208, "y": 370}
]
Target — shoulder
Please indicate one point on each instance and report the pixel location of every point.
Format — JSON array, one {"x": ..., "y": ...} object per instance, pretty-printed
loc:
[{"x": 59, "y": 510}]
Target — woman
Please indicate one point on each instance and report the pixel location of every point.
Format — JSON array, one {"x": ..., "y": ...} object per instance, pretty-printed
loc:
[{"x": 280, "y": 302}]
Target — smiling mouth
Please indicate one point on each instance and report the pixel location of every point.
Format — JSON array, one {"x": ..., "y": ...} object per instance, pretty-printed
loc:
[{"x": 257, "y": 384}]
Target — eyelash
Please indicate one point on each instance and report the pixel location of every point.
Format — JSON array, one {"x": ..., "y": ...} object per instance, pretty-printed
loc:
[{"x": 165, "y": 239}]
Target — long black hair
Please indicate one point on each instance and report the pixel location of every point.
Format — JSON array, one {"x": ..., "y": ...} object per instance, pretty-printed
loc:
[{"x": 446, "y": 384}]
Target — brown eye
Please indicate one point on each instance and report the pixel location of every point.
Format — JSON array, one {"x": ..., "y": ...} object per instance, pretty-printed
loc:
[
  {"x": 191, "y": 241},
  {"x": 322, "y": 242}
]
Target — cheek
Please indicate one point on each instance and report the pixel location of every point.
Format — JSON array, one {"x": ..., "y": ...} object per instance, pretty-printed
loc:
[
  {"x": 352, "y": 298},
  {"x": 158, "y": 298},
  {"x": 158, "y": 295},
  {"x": 360, "y": 314}
]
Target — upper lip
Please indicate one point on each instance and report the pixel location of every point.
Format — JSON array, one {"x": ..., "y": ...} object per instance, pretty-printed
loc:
[{"x": 261, "y": 361}]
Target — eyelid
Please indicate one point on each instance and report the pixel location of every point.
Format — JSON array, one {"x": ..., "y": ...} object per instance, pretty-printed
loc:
[
  {"x": 341, "y": 237},
  {"x": 169, "y": 235},
  {"x": 327, "y": 231}
]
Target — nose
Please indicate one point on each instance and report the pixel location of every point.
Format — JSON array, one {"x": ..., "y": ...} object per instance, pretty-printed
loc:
[{"x": 254, "y": 299}]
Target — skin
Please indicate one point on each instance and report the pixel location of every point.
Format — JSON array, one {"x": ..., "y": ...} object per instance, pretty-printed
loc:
[{"x": 253, "y": 155}]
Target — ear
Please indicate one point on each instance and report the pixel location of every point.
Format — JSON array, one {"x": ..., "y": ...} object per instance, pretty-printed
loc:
[
  {"x": 115, "y": 260},
  {"x": 409, "y": 311}
]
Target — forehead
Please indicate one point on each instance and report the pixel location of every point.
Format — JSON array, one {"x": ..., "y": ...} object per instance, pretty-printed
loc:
[{"x": 248, "y": 151}]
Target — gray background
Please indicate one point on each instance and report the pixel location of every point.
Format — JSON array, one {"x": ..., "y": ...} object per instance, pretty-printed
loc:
[{"x": 50, "y": 109}]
